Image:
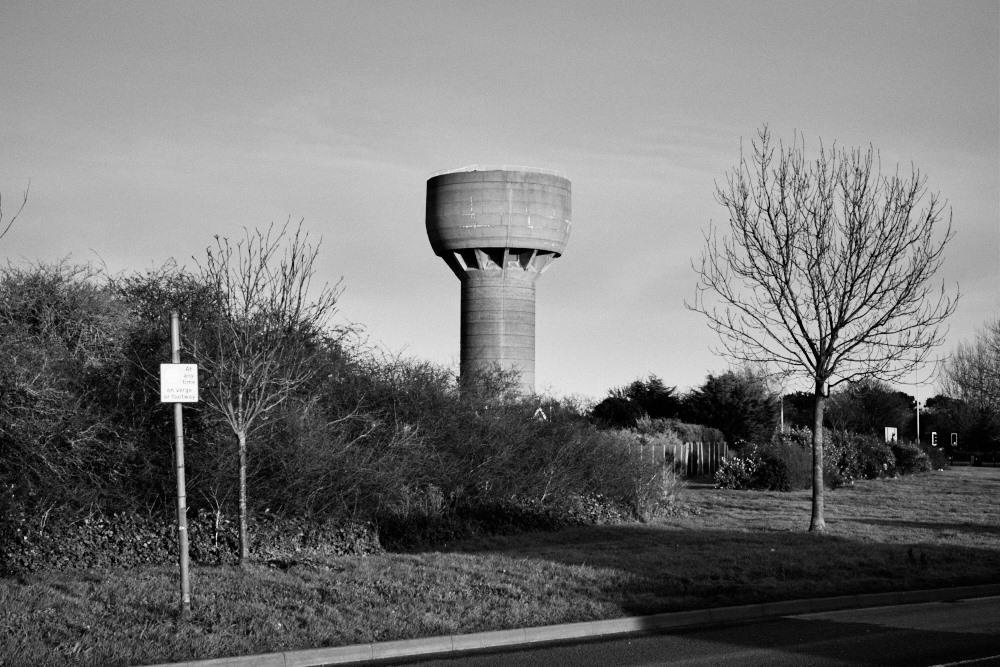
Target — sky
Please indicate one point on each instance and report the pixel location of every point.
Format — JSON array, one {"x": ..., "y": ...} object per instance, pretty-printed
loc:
[{"x": 147, "y": 128}]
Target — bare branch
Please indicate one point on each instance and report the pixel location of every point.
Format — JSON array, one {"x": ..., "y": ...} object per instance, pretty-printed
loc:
[
  {"x": 24, "y": 200},
  {"x": 827, "y": 267},
  {"x": 972, "y": 374}
]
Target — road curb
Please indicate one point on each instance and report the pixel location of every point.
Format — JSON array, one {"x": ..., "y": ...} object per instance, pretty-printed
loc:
[{"x": 359, "y": 654}]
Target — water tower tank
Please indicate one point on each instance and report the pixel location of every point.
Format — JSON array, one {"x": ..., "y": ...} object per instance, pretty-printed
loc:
[{"x": 498, "y": 228}]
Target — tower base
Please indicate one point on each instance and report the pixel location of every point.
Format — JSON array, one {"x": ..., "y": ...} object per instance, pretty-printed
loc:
[{"x": 498, "y": 324}]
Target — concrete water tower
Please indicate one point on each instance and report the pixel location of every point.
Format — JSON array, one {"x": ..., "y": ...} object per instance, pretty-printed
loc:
[{"x": 498, "y": 228}]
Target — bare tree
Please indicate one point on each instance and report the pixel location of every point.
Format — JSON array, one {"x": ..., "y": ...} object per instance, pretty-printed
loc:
[
  {"x": 257, "y": 351},
  {"x": 973, "y": 372},
  {"x": 24, "y": 200},
  {"x": 826, "y": 271},
  {"x": 972, "y": 375}
]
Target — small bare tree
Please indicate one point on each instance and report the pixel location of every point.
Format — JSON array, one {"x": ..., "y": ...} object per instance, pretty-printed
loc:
[
  {"x": 826, "y": 272},
  {"x": 256, "y": 352}
]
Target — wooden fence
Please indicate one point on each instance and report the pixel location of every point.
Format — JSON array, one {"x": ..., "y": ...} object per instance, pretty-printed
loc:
[{"x": 692, "y": 459}]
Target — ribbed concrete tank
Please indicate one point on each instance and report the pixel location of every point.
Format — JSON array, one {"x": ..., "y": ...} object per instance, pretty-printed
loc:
[{"x": 498, "y": 229}]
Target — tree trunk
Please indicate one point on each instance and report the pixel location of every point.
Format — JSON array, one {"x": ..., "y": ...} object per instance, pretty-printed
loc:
[
  {"x": 817, "y": 523},
  {"x": 244, "y": 537}
]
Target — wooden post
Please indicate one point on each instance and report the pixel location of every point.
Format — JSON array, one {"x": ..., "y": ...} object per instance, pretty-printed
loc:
[{"x": 182, "y": 536}]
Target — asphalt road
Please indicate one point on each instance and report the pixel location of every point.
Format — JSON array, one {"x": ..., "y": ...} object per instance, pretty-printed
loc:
[{"x": 964, "y": 632}]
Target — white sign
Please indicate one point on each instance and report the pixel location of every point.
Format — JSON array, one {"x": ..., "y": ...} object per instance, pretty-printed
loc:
[{"x": 178, "y": 383}]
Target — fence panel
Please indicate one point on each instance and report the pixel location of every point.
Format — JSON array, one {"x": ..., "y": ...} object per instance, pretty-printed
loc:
[
  {"x": 694, "y": 459},
  {"x": 691, "y": 459}
]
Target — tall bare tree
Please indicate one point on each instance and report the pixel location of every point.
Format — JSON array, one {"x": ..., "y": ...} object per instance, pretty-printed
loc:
[
  {"x": 257, "y": 351},
  {"x": 972, "y": 375},
  {"x": 973, "y": 371},
  {"x": 826, "y": 271}
]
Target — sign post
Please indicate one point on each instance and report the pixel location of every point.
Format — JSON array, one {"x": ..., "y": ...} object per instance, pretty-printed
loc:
[{"x": 179, "y": 384}]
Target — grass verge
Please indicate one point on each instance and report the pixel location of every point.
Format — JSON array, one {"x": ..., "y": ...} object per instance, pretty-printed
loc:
[{"x": 730, "y": 547}]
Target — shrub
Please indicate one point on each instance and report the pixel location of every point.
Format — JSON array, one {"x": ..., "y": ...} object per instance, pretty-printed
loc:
[
  {"x": 874, "y": 457},
  {"x": 785, "y": 462},
  {"x": 794, "y": 449},
  {"x": 771, "y": 474},
  {"x": 753, "y": 469},
  {"x": 862, "y": 456},
  {"x": 736, "y": 472},
  {"x": 850, "y": 456},
  {"x": 910, "y": 458},
  {"x": 939, "y": 459}
]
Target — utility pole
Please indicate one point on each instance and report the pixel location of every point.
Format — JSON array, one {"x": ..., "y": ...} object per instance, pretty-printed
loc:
[
  {"x": 916, "y": 392},
  {"x": 782, "y": 412}
]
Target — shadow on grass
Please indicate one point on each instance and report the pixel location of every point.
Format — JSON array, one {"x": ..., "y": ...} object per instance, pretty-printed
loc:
[
  {"x": 965, "y": 527},
  {"x": 648, "y": 569}
]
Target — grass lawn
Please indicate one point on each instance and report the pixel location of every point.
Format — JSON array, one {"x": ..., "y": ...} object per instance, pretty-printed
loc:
[{"x": 730, "y": 547}]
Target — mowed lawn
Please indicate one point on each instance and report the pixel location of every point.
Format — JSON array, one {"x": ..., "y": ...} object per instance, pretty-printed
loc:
[{"x": 729, "y": 547}]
